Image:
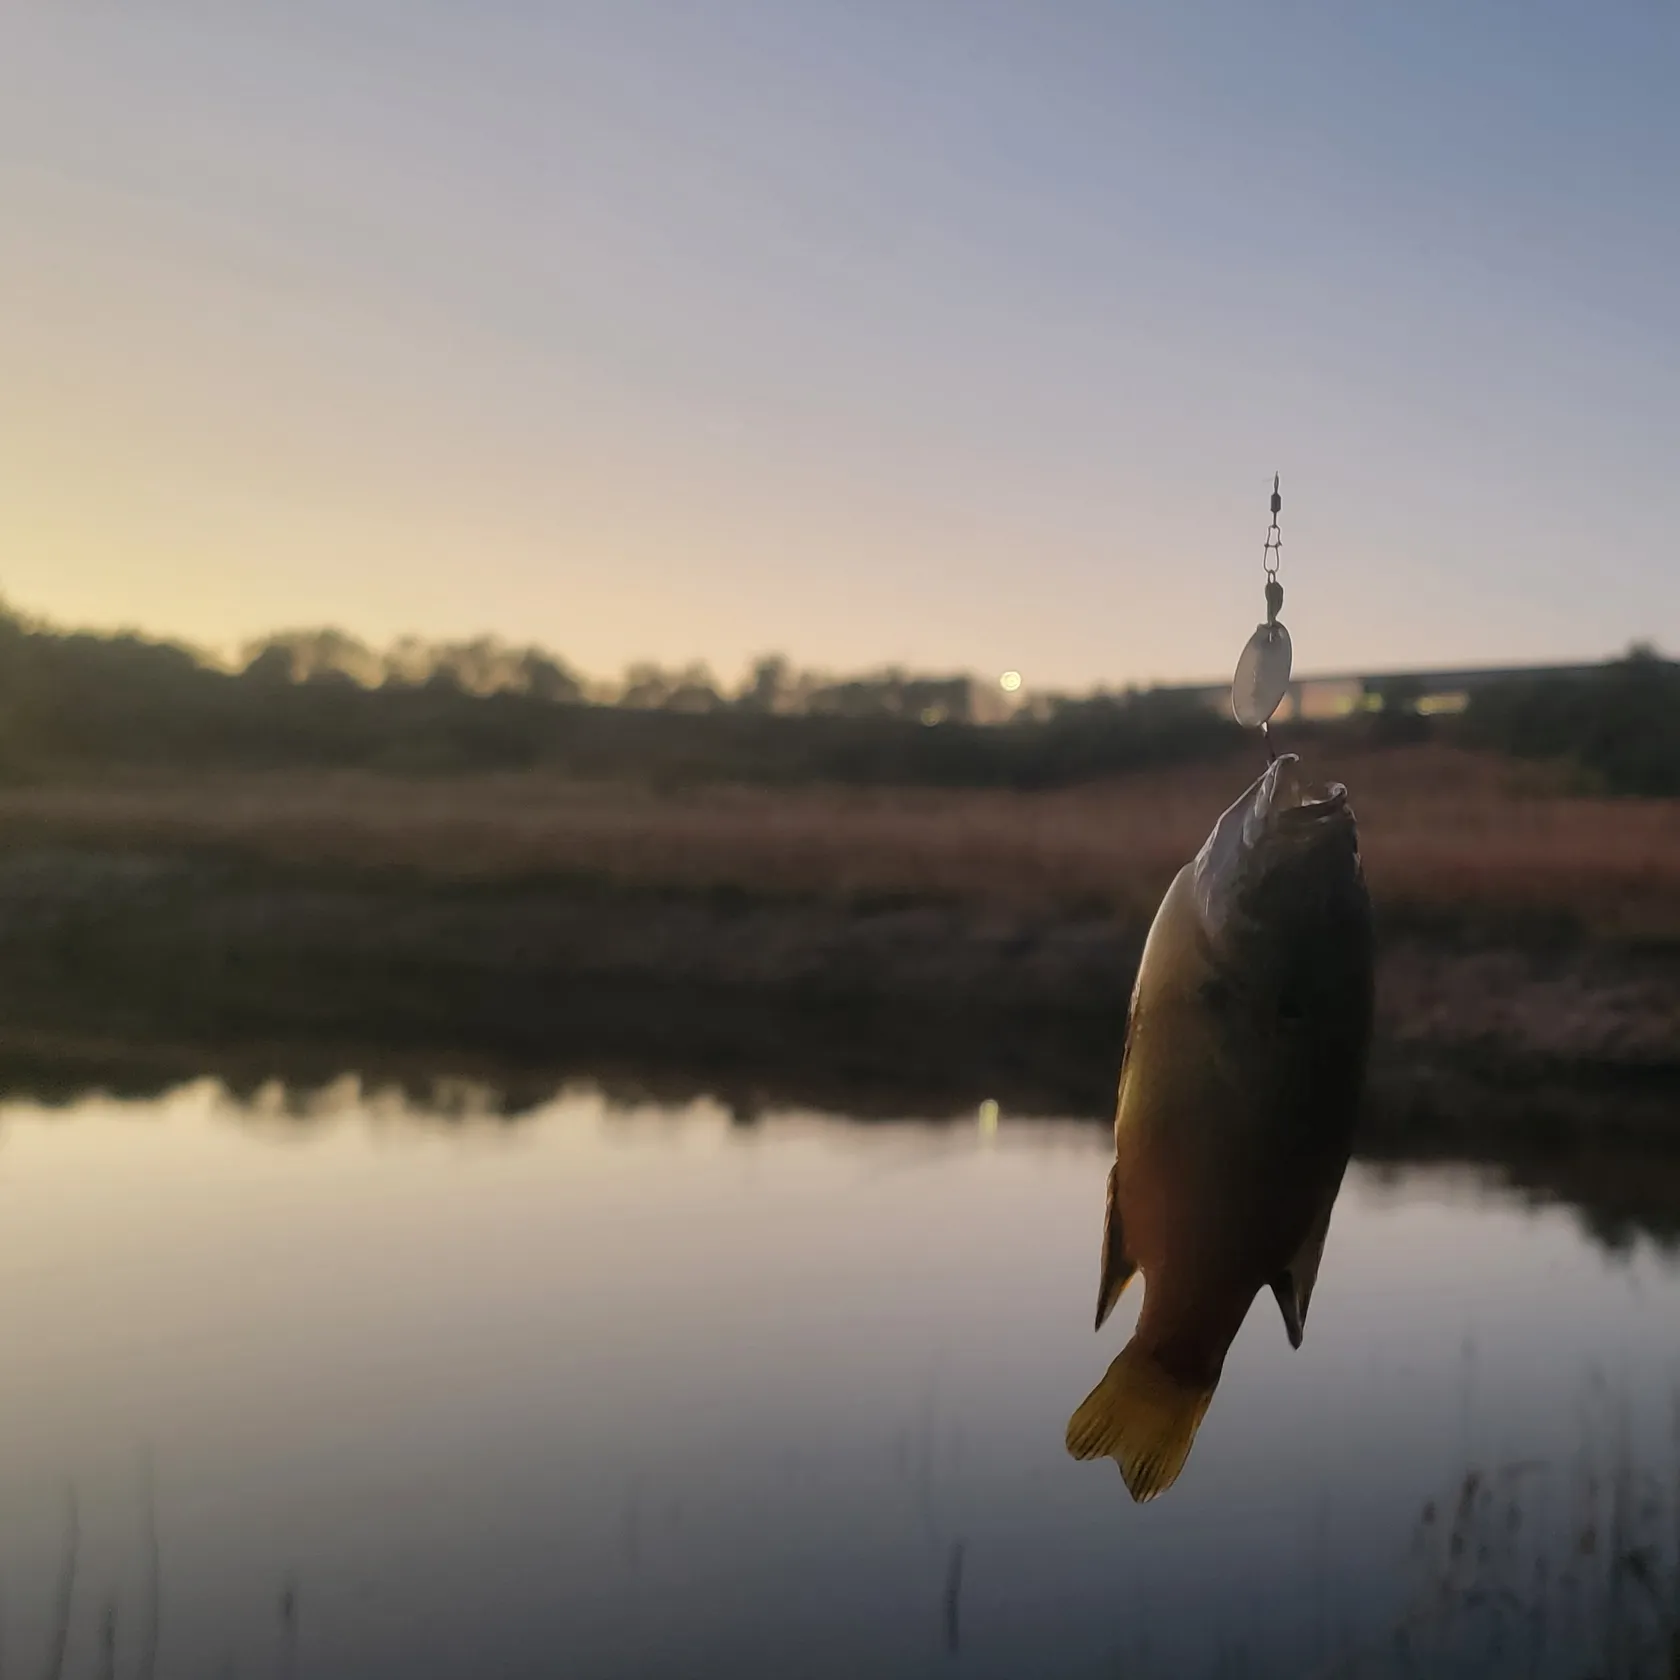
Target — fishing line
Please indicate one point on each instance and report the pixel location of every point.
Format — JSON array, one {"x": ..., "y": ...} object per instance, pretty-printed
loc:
[{"x": 1262, "y": 675}]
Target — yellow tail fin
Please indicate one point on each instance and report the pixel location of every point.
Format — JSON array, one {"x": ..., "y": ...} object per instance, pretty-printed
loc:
[{"x": 1142, "y": 1418}]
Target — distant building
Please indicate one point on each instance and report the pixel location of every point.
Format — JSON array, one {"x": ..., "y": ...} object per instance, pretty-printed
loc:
[
  {"x": 930, "y": 700},
  {"x": 1429, "y": 692}
]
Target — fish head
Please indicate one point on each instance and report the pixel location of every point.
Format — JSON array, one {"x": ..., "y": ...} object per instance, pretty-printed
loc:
[{"x": 1284, "y": 853}]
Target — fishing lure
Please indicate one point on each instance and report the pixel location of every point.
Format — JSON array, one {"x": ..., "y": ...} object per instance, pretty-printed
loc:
[{"x": 1262, "y": 675}]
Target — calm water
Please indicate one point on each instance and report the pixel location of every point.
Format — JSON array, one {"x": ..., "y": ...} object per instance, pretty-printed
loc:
[{"x": 642, "y": 1392}]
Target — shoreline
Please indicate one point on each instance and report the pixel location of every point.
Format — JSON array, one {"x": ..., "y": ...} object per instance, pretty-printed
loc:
[
  {"x": 1598, "y": 1141},
  {"x": 1547, "y": 1058},
  {"x": 941, "y": 1000}
]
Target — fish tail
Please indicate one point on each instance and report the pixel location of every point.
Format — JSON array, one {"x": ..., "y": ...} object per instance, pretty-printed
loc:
[{"x": 1142, "y": 1418}]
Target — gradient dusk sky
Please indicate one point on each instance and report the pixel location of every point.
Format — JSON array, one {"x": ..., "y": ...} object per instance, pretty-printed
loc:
[{"x": 959, "y": 333}]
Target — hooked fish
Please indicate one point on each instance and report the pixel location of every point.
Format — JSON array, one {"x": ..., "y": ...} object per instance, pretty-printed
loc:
[{"x": 1245, "y": 1053}]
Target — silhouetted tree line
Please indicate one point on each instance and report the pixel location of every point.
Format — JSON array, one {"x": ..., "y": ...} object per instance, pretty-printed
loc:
[
  {"x": 483, "y": 665},
  {"x": 1618, "y": 723},
  {"x": 486, "y": 666},
  {"x": 72, "y": 702},
  {"x": 320, "y": 698}
]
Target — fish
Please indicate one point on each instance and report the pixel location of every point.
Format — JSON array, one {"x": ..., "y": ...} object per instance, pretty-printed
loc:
[{"x": 1246, "y": 1041}]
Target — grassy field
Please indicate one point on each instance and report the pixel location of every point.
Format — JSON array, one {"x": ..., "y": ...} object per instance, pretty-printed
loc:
[
  {"x": 856, "y": 945},
  {"x": 1446, "y": 833}
]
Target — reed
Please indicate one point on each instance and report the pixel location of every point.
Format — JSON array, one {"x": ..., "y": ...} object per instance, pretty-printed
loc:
[{"x": 1446, "y": 833}]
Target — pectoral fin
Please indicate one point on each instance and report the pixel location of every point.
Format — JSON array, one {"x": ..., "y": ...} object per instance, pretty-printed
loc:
[
  {"x": 1117, "y": 1265},
  {"x": 1293, "y": 1286}
]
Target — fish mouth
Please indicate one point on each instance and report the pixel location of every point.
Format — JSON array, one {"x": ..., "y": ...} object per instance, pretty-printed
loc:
[
  {"x": 1316, "y": 804},
  {"x": 1282, "y": 820},
  {"x": 1286, "y": 795}
]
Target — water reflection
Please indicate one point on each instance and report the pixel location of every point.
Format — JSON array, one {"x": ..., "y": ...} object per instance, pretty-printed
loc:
[
  {"x": 1604, "y": 1147},
  {"x": 634, "y": 1389}
]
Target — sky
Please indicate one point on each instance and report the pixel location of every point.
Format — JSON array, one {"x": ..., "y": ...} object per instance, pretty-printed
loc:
[{"x": 961, "y": 334}]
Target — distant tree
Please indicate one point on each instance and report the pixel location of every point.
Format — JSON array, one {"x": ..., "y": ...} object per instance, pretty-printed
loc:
[
  {"x": 543, "y": 677},
  {"x": 768, "y": 688},
  {"x": 646, "y": 688},
  {"x": 478, "y": 666},
  {"x": 1397, "y": 716},
  {"x": 271, "y": 667},
  {"x": 1618, "y": 722},
  {"x": 408, "y": 660},
  {"x": 693, "y": 690},
  {"x": 317, "y": 653}
]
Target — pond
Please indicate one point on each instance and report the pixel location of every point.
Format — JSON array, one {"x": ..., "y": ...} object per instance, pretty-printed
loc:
[{"x": 354, "y": 1387}]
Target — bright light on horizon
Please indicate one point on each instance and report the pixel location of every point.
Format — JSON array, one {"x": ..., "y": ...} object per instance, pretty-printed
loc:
[{"x": 1009, "y": 681}]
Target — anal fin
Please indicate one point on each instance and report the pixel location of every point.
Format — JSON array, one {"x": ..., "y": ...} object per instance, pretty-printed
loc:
[
  {"x": 1117, "y": 1265},
  {"x": 1293, "y": 1286}
]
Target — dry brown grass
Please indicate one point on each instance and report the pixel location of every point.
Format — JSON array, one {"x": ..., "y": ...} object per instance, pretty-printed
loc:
[{"x": 1442, "y": 830}]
